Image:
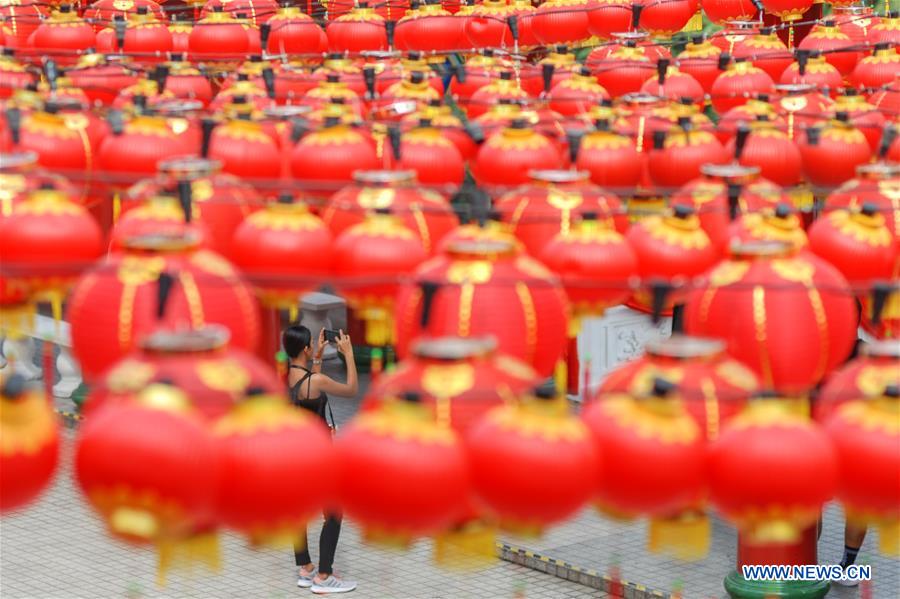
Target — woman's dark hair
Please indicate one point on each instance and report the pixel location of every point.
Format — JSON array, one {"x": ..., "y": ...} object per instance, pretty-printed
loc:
[{"x": 295, "y": 339}]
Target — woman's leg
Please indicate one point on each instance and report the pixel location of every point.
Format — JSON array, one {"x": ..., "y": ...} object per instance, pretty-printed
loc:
[{"x": 331, "y": 530}]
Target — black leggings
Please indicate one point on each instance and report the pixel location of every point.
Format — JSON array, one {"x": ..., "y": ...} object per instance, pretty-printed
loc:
[{"x": 328, "y": 540}]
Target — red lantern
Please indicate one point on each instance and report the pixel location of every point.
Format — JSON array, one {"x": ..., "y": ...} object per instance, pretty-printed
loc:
[
  {"x": 375, "y": 452},
  {"x": 723, "y": 11},
  {"x": 679, "y": 155},
  {"x": 624, "y": 70},
  {"x": 884, "y": 29},
  {"x": 835, "y": 45},
  {"x": 157, "y": 281},
  {"x": 730, "y": 122},
  {"x": 504, "y": 88},
  {"x": 265, "y": 445},
  {"x": 878, "y": 184},
  {"x": 564, "y": 65},
  {"x": 865, "y": 438},
  {"x": 552, "y": 203},
  {"x": 674, "y": 84},
  {"x": 472, "y": 279},
  {"x": 506, "y": 156},
  {"x": 666, "y": 18},
  {"x": 162, "y": 213},
  {"x": 442, "y": 117},
  {"x": 429, "y": 28},
  {"x": 460, "y": 380},
  {"x": 167, "y": 486},
  {"x": 770, "y": 149},
  {"x": 612, "y": 160},
  {"x": 486, "y": 26},
  {"x": 652, "y": 463},
  {"x": 433, "y": 157},
  {"x": 863, "y": 115},
  {"x": 595, "y": 264},
  {"x": 219, "y": 35},
  {"x": 362, "y": 29},
  {"x": 735, "y": 85},
  {"x": 101, "y": 78},
  {"x": 181, "y": 34},
  {"x": 187, "y": 82},
  {"x": 857, "y": 243},
  {"x": 46, "y": 241},
  {"x": 479, "y": 70},
  {"x": 379, "y": 248},
  {"x": 258, "y": 11},
  {"x": 715, "y": 386},
  {"x": 771, "y": 496},
  {"x": 867, "y": 375},
  {"x": 767, "y": 52},
  {"x": 293, "y": 32},
  {"x": 20, "y": 20},
  {"x": 245, "y": 149},
  {"x": 814, "y": 71},
  {"x": 558, "y": 21},
  {"x": 511, "y": 441},
  {"x": 421, "y": 210},
  {"x": 577, "y": 94},
  {"x": 831, "y": 154},
  {"x": 143, "y": 142},
  {"x": 145, "y": 37},
  {"x": 802, "y": 106},
  {"x": 878, "y": 69},
  {"x": 856, "y": 21},
  {"x": 670, "y": 249},
  {"x": 772, "y": 223},
  {"x": 608, "y": 17},
  {"x": 787, "y": 10},
  {"x": 700, "y": 60},
  {"x": 788, "y": 316},
  {"x": 63, "y": 35},
  {"x": 329, "y": 156},
  {"x": 29, "y": 450},
  {"x": 213, "y": 375},
  {"x": 267, "y": 247}
]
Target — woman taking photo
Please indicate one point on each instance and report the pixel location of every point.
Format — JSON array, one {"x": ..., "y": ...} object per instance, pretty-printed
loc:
[{"x": 309, "y": 389}]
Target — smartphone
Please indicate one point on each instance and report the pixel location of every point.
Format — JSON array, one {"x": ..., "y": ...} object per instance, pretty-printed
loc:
[{"x": 331, "y": 336}]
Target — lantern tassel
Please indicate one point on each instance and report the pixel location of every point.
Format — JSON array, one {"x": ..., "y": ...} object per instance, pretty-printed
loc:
[
  {"x": 561, "y": 377},
  {"x": 802, "y": 198},
  {"x": 685, "y": 537},
  {"x": 471, "y": 546},
  {"x": 185, "y": 554},
  {"x": 379, "y": 326},
  {"x": 116, "y": 207},
  {"x": 889, "y": 538}
]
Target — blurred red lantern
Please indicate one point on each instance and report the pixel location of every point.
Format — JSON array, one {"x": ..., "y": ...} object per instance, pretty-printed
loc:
[
  {"x": 857, "y": 243},
  {"x": 801, "y": 106},
  {"x": 865, "y": 437},
  {"x": 867, "y": 375},
  {"x": 772, "y": 223},
  {"x": 158, "y": 213},
  {"x": 607, "y": 17},
  {"x": 863, "y": 115},
  {"x": 624, "y": 70},
  {"x": 486, "y": 26},
  {"x": 723, "y": 11},
  {"x": 855, "y": 20},
  {"x": 433, "y": 157},
  {"x": 673, "y": 84},
  {"x": 506, "y": 156},
  {"x": 832, "y": 153},
  {"x": 264, "y": 446},
  {"x": 766, "y": 51},
  {"x": 594, "y": 264},
  {"x": 737, "y": 83},
  {"x": 788, "y": 316},
  {"x": 577, "y": 94},
  {"x": 670, "y": 249},
  {"x": 181, "y": 33},
  {"x": 451, "y": 127},
  {"x": 504, "y": 88},
  {"x": 787, "y": 10},
  {"x": 219, "y": 35},
  {"x": 146, "y": 38},
  {"x": 100, "y": 77},
  {"x": 558, "y": 21},
  {"x": 384, "y": 453},
  {"x": 612, "y": 159},
  {"x": 666, "y": 18},
  {"x": 293, "y": 32},
  {"x": 46, "y": 241},
  {"x": 878, "y": 184},
  {"x": 422, "y": 210},
  {"x": 459, "y": 291},
  {"x": 328, "y": 157},
  {"x": 714, "y": 386},
  {"x": 29, "y": 444},
  {"x": 771, "y": 496},
  {"x": 21, "y": 19},
  {"x": 381, "y": 249},
  {"x": 700, "y": 60},
  {"x": 813, "y": 69},
  {"x": 551, "y": 204},
  {"x": 731, "y": 121},
  {"x": 651, "y": 442},
  {"x": 478, "y": 71},
  {"x": 362, "y": 29},
  {"x": 878, "y": 69},
  {"x": 836, "y": 46},
  {"x": 167, "y": 486},
  {"x": 101, "y": 13},
  {"x": 157, "y": 281},
  {"x": 142, "y": 143},
  {"x": 267, "y": 248},
  {"x": 770, "y": 149},
  {"x": 882, "y": 29},
  {"x": 13, "y": 74},
  {"x": 199, "y": 362},
  {"x": 510, "y": 442},
  {"x": 559, "y": 62},
  {"x": 678, "y": 156},
  {"x": 244, "y": 148},
  {"x": 458, "y": 379},
  {"x": 429, "y": 28},
  {"x": 64, "y": 35}
]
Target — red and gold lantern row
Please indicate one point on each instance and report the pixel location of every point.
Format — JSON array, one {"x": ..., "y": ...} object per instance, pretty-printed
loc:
[
  {"x": 551, "y": 204},
  {"x": 652, "y": 463},
  {"x": 158, "y": 280},
  {"x": 269, "y": 248},
  {"x": 200, "y": 362},
  {"x": 577, "y": 94},
  {"x": 258, "y": 11},
  {"x": 666, "y": 18},
  {"x": 370, "y": 258},
  {"x": 865, "y": 434},
  {"x": 624, "y": 70},
  {"x": 219, "y": 35},
  {"x": 142, "y": 143},
  {"x": 102, "y": 12},
  {"x": 457, "y": 294},
  {"x": 715, "y": 387},
  {"x": 385, "y": 452},
  {"x": 876, "y": 367},
  {"x": 878, "y": 184},
  {"x": 150, "y": 469},
  {"x": 771, "y": 496},
  {"x": 811, "y": 68},
  {"x": 264, "y": 446},
  {"x": 596, "y": 266},
  {"x": 458, "y": 379},
  {"x": 857, "y": 242},
  {"x": 788, "y": 316},
  {"x": 510, "y": 442},
  {"x": 29, "y": 443},
  {"x": 506, "y": 157},
  {"x": 422, "y": 210}
]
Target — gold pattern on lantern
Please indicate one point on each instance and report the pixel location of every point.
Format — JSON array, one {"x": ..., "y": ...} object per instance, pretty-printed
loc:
[
  {"x": 447, "y": 381},
  {"x": 223, "y": 375},
  {"x": 737, "y": 375},
  {"x": 871, "y": 380},
  {"x": 541, "y": 419},
  {"x": 874, "y": 414},
  {"x": 129, "y": 375},
  {"x": 212, "y": 263},
  {"x": 663, "y": 420},
  {"x": 29, "y": 424},
  {"x": 794, "y": 270},
  {"x": 475, "y": 272}
]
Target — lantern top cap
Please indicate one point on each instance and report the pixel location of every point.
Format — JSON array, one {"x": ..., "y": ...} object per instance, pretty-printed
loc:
[
  {"x": 13, "y": 161},
  {"x": 384, "y": 177},
  {"x": 286, "y": 111},
  {"x": 887, "y": 348},
  {"x": 454, "y": 348},
  {"x": 729, "y": 171},
  {"x": 189, "y": 167},
  {"x": 177, "y": 107},
  {"x": 204, "y": 339},
  {"x": 760, "y": 248},
  {"x": 641, "y": 98},
  {"x": 631, "y": 36},
  {"x": 164, "y": 242},
  {"x": 558, "y": 176},
  {"x": 878, "y": 170},
  {"x": 684, "y": 347},
  {"x": 480, "y": 248},
  {"x": 795, "y": 88}
]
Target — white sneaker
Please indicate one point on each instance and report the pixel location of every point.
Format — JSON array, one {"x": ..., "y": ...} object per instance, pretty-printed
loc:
[
  {"x": 332, "y": 584},
  {"x": 306, "y": 581},
  {"x": 846, "y": 582}
]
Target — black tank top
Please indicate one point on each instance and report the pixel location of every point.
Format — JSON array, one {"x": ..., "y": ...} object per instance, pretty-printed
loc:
[{"x": 315, "y": 405}]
